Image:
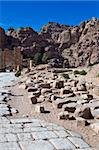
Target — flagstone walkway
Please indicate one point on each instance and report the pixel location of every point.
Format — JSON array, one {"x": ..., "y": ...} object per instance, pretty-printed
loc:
[{"x": 34, "y": 134}]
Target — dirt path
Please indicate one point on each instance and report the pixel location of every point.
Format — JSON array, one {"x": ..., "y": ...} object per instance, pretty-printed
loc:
[{"x": 21, "y": 102}]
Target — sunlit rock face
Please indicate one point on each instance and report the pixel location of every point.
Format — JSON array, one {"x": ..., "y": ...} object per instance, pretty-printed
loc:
[{"x": 76, "y": 45}]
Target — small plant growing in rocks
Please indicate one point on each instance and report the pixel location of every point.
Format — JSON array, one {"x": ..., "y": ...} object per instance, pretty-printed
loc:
[
  {"x": 38, "y": 58},
  {"x": 82, "y": 72},
  {"x": 45, "y": 58},
  {"x": 18, "y": 73},
  {"x": 76, "y": 72},
  {"x": 66, "y": 76}
]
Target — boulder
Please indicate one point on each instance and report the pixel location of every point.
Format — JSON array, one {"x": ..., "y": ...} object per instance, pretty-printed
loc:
[
  {"x": 53, "y": 98},
  {"x": 79, "y": 93},
  {"x": 87, "y": 96},
  {"x": 84, "y": 113},
  {"x": 45, "y": 85},
  {"x": 31, "y": 89},
  {"x": 64, "y": 37},
  {"x": 70, "y": 95},
  {"x": 65, "y": 116},
  {"x": 58, "y": 84},
  {"x": 59, "y": 102},
  {"x": 71, "y": 107},
  {"x": 81, "y": 87},
  {"x": 33, "y": 99},
  {"x": 65, "y": 91},
  {"x": 37, "y": 93}
]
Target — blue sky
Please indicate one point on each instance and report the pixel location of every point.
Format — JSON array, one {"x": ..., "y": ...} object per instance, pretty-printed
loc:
[{"x": 37, "y": 13}]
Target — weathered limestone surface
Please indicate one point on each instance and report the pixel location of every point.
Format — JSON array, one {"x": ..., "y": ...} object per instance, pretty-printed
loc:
[{"x": 34, "y": 134}]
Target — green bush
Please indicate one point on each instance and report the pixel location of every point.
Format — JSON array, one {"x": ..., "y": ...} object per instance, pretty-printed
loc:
[
  {"x": 38, "y": 58},
  {"x": 82, "y": 72},
  {"x": 90, "y": 65},
  {"x": 76, "y": 72},
  {"x": 66, "y": 76},
  {"x": 93, "y": 64},
  {"x": 18, "y": 73},
  {"x": 45, "y": 58}
]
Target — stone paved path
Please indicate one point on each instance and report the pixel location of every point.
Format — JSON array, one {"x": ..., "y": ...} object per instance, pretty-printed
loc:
[{"x": 34, "y": 134}]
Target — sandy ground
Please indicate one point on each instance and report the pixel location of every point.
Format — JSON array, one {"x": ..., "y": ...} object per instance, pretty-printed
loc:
[{"x": 21, "y": 102}]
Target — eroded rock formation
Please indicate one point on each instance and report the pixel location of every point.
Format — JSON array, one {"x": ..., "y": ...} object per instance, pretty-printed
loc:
[{"x": 68, "y": 46}]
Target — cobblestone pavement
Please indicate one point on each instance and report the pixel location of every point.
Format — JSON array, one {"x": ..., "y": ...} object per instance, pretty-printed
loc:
[{"x": 34, "y": 134}]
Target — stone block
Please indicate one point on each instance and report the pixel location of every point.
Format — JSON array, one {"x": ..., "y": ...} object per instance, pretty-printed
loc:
[
  {"x": 87, "y": 96},
  {"x": 63, "y": 115},
  {"x": 37, "y": 93},
  {"x": 58, "y": 84},
  {"x": 11, "y": 137},
  {"x": 78, "y": 142},
  {"x": 31, "y": 89},
  {"x": 36, "y": 145},
  {"x": 39, "y": 109},
  {"x": 65, "y": 91},
  {"x": 53, "y": 98},
  {"x": 45, "y": 85},
  {"x": 61, "y": 133},
  {"x": 71, "y": 107},
  {"x": 74, "y": 134},
  {"x": 24, "y": 137},
  {"x": 3, "y": 138},
  {"x": 44, "y": 135},
  {"x": 84, "y": 113},
  {"x": 58, "y": 103},
  {"x": 9, "y": 146},
  {"x": 33, "y": 99},
  {"x": 81, "y": 87},
  {"x": 62, "y": 143}
]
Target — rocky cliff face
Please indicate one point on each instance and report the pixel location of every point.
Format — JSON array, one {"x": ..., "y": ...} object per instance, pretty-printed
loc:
[{"x": 70, "y": 46}]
